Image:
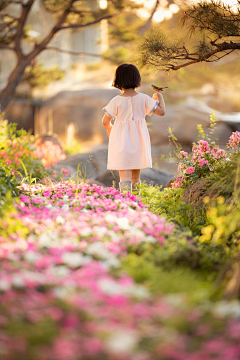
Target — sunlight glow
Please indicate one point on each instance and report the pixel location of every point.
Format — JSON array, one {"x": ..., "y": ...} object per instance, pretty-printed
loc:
[
  {"x": 174, "y": 8},
  {"x": 165, "y": 13},
  {"x": 158, "y": 16},
  {"x": 103, "y": 4},
  {"x": 143, "y": 14}
]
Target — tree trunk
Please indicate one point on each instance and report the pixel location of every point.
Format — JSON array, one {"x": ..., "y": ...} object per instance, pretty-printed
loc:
[{"x": 14, "y": 80}]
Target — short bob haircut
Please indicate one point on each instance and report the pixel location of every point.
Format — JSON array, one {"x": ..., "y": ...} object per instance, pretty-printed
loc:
[{"x": 126, "y": 76}]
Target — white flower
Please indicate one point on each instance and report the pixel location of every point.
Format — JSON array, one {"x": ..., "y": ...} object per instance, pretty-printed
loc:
[
  {"x": 113, "y": 235},
  {"x": 48, "y": 239},
  {"x": 112, "y": 262},
  {"x": 4, "y": 285},
  {"x": 85, "y": 211},
  {"x": 100, "y": 231},
  {"x": 75, "y": 259},
  {"x": 111, "y": 218},
  {"x": 98, "y": 249},
  {"x": 65, "y": 207},
  {"x": 33, "y": 276},
  {"x": 110, "y": 287},
  {"x": 122, "y": 341},
  {"x": 224, "y": 308},
  {"x": 123, "y": 223},
  {"x": 136, "y": 291},
  {"x": 149, "y": 238},
  {"x": 60, "y": 292},
  {"x": 86, "y": 231},
  {"x": 60, "y": 271},
  {"x": 60, "y": 220},
  {"x": 65, "y": 197},
  {"x": 31, "y": 256},
  {"x": 17, "y": 281}
]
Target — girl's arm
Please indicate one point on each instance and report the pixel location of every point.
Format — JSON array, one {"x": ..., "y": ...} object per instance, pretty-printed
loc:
[
  {"x": 106, "y": 121},
  {"x": 161, "y": 109}
]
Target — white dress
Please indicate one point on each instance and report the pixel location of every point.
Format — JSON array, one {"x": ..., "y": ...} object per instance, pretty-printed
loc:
[{"x": 129, "y": 142}]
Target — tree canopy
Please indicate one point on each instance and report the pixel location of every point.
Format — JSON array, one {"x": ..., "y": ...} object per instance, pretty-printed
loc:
[
  {"x": 213, "y": 32},
  {"x": 69, "y": 14}
]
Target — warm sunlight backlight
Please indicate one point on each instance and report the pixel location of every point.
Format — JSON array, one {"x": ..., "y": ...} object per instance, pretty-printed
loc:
[
  {"x": 158, "y": 16},
  {"x": 103, "y": 4},
  {"x": 164, "y": 12},
  {"x": 174, "y": 8},
  {"x": 143, "y": 13}
]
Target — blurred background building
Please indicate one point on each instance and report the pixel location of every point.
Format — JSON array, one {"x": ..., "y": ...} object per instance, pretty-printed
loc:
[{"x": 90, "y": 40}]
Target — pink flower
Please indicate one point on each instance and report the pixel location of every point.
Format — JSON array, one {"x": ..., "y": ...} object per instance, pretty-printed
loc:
[
  {"x": 183, "y": 155},
  {"x": 65, "y": 171},
  {"x": 177, "y": 183},
  {"x": 190, "y": 170}
]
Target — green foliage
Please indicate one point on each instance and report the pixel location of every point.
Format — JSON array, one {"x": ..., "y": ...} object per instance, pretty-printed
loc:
[
  {"x": 118, "y": 55},
  {"x": 176, "y": 280},
  {"x": 156, "y": 50},
  {"x": 8, "y": 183},
  {"x": 169, "y": 203},
  {"x": 73, "y": 149},
  {"x": 37, "y": 75},
  {"x": 7, "y": 216},
  {"x": 16, "y": 146}
]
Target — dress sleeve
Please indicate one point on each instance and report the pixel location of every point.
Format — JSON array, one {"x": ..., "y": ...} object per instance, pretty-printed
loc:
[
  {"x": 150, "y": 105},
  {"x": 111, "y": 108}
]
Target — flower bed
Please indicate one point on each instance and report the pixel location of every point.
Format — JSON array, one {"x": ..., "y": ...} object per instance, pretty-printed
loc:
[
  {"x": 206, "y": 157},
  {"x": 65, "y": 296}
]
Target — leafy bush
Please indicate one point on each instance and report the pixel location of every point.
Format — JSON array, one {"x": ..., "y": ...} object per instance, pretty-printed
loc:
[
  {"x": 8, "y": 183},
  {"x": 169, "y": 203},
  {"x": 16, "y": 149},
  {"x": 206, "y": 157}
]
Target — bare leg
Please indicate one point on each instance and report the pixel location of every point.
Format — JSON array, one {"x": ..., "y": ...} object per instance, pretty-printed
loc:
[
  {"x": 135, "y": 176},
  {"x": 125, "y": 175}
]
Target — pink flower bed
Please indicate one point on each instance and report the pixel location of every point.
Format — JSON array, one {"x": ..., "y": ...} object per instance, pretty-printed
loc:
[
  {"x": 64, "y": 296},
  {"x": 206, "y": 157}
]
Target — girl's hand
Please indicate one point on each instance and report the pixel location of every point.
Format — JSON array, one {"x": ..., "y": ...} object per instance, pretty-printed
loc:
[
  {"x": 157, "y": 96},
  {"x": 109, "y": 131}
]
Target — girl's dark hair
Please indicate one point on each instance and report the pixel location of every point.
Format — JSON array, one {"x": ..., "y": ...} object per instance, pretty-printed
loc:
[{"x": 126, "y": 76}]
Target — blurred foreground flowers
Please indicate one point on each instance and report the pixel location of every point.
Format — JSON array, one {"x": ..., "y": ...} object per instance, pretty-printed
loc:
[{"x": 65, "y": 296}]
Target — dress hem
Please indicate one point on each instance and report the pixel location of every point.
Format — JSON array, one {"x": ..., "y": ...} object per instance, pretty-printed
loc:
[{"x": 133, "y": 168}]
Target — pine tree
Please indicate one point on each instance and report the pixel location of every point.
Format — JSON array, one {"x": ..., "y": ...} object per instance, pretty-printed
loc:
[{"x": 213, "y": 33}]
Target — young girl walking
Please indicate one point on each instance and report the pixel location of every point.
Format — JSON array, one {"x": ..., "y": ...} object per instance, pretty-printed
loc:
[{"x": 129, "y": 148}]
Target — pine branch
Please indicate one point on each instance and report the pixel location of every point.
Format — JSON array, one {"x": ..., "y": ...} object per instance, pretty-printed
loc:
[
  {"x": 195, "y": 58},
  {"x": 96, "y": 21}
]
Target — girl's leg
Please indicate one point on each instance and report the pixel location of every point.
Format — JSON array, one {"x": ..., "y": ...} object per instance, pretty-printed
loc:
[
  {"x": 125, "y": 175},
  {"x": 125, "y": 180},
  {"x": 136, "y": 181},
  {"x": 136, "y": 176}
]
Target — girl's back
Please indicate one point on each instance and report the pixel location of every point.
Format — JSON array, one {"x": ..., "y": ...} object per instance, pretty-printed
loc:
[
  {"x": 129, "y": 148},
  {"x": 129, "y": 142},
  {"x": 131, "y": 108}
]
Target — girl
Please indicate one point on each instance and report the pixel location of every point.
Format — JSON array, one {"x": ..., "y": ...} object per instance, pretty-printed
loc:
[{"x": 129, "y": 148}]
